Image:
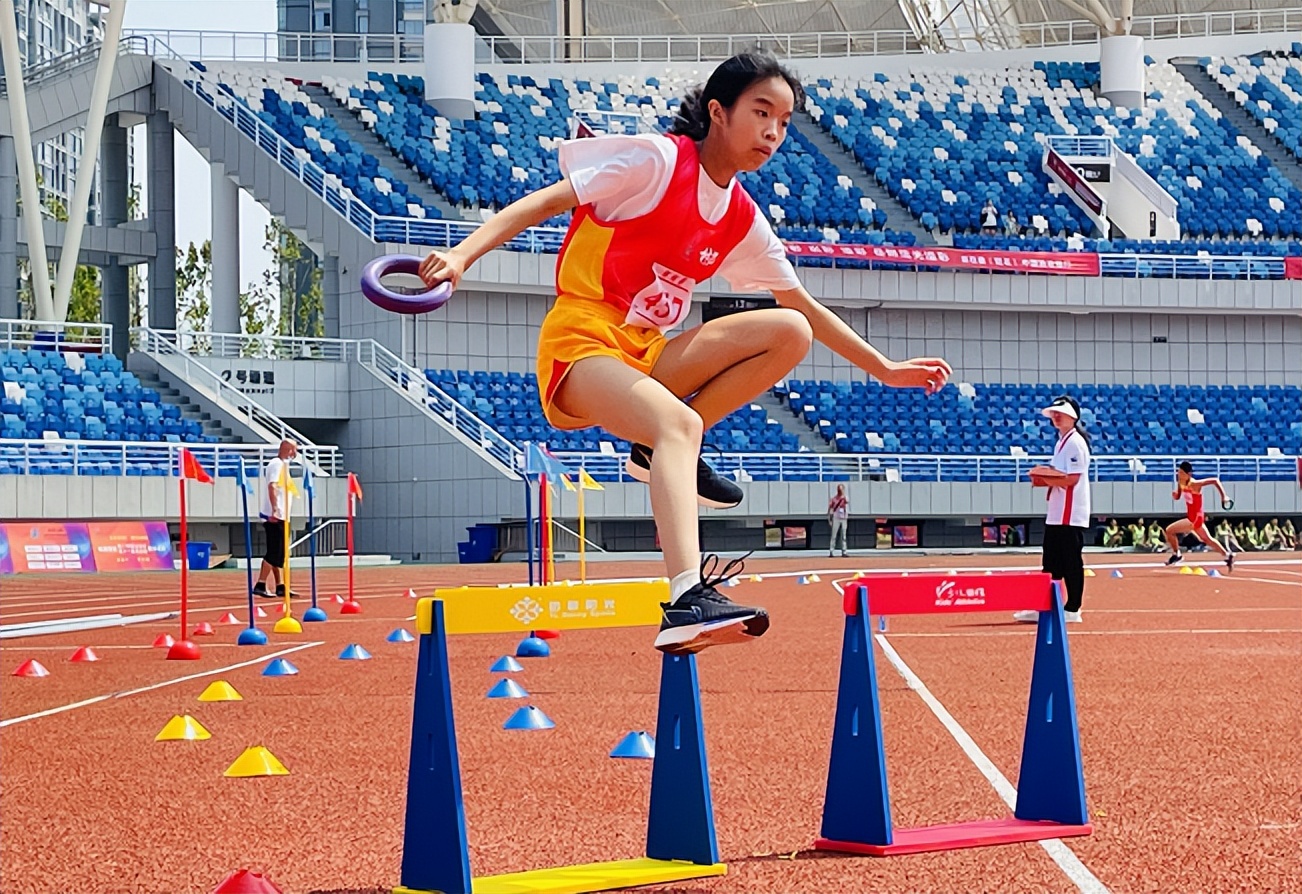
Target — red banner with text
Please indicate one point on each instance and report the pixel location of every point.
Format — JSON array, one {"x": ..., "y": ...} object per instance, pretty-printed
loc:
[
  {"x": 1075, "y": 263},
  {"x": 1293, "y": 268}
]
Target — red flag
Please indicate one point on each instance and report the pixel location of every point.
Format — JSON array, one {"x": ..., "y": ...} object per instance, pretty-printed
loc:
[
  {"x": 190, "y": 468},
  {"x": 354, "y": 486}
]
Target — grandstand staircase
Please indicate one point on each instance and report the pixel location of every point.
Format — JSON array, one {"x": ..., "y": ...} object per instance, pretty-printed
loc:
[
  {"x": 898, "y": 217},
  {"x": 1288, "y": 164},
  {"x": 189, "y": 409},
  {"x": 351, "y": 125},
  {"x": 809, "y": 439}
]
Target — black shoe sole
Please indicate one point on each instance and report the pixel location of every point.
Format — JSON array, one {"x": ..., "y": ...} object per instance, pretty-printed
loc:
[{"x": 639, "y": 473}]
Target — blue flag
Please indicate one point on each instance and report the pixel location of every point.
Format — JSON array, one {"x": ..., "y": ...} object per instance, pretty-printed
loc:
[
  {"x": 242, "y": 479},
  {"x": 538, "y": 461},
  {"x": 307, "y": 480}
]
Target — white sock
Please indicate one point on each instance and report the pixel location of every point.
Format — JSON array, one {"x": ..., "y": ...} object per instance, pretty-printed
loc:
[{"x": 681, "y": 583}]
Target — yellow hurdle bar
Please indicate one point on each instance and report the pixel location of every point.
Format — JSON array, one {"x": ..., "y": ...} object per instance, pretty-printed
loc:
[
  {"x": 590, "y": 877},
  {"x": 548, "y": 607}
]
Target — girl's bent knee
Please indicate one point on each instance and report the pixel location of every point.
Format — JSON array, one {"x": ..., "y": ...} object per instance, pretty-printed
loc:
[{"x": 681, "y": 424}]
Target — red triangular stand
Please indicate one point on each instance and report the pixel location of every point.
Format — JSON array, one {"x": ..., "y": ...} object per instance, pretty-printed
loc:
[{"x": 244, "y": 881}]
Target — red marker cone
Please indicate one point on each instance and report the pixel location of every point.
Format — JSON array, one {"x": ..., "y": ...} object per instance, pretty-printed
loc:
[
  {"x": 31, "y": 668},
  {"x": 547, "y": 634},
  {"x": 85, "y": 653},
  {"x": 245, "y": 881},
  {"x": 204, "y": 629},
  {"x": 229, "y": 618},
  {"x": 164, "y": 641},
  {"x": 259, "y": 612}
]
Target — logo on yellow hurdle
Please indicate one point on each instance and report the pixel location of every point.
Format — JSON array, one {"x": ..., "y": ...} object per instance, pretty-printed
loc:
[{"x": 554, "y": 606}]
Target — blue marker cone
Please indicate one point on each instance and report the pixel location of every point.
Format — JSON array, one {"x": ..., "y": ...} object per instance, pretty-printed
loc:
[
  {"x": 637, "y": 744},
  {"x": 803, "y": 580},
  {"x": 354, "y": 652},
  {"x": 314, "y": 614},
  {"x": 1116, "y": 572},
  {"x": 400, "y": 636},
  {"x": 1213, "y": 573},
  {"x": 881, "y": 623},
  {"x": 280, "y": 668},
  {"x": 506, "y": 665},
  {"x": 507, "y": 688},
  {"x": 533, "y": 647},
  {"x": 252, "y": 636},
  {"x": 528, "y": 717}
]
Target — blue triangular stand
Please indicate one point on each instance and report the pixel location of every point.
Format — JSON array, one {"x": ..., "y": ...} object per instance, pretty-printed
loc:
[
  {"x": 279, "y": 668},
  {"x": 528, "y": 717},
  {"x": 858, "y": 805},
  {"x": 637, "y": 744},
  {"x": 401, "y": 635},
  {"x": 681, "y": 822},
  {"x": 1051, "y": 784},
  {"x": 435, "y": 856},
  {"x": 354, "y": 652},
  {"x": 506, "y": 665},
  {"x": 507, "y": 688}
]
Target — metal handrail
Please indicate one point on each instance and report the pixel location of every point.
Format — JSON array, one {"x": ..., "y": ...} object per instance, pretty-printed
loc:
[
  {"x": 86, "y": 338},
  {"x": 335, "y": 526},
  {"x": 686, "y": 48},
  {"x": 131, "y": 43},
  {"x": 323, "y": 459},
  {"x": 232, "y": 345},
  {"x": 121, "y": 456}
]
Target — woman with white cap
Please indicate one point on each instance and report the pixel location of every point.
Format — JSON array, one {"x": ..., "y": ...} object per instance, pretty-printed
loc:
[{"x": 1068, "y": 519}]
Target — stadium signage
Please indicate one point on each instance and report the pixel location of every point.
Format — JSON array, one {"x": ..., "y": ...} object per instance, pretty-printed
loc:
[
  {"x": 1074, "y": 182},
  {"x": 1062, "y": 263}
]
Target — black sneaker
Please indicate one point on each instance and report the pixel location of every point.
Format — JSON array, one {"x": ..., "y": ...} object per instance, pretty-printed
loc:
[
  {"x": 280, "y": 593},
  {"x": 1175, "y": 557},
  {"x": 260, "y": 589},
  {"x": 704, "y": 617},
  {"x": 1229, "y": 562},
  {"x": 712, "y": 489}
]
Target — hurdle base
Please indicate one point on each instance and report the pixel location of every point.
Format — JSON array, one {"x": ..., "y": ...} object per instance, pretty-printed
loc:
[
  {"x": 954, "y": 836},
  {"x": 588, "y": 877}
]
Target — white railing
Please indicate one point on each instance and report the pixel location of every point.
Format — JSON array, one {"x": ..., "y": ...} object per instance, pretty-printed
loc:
[
  {"x": 229, "y": 345},
  {"x": 83, "y": 338},
  {"x": 147, "y": 458},
  {"x": 923, "y": 468},
  {"x": 329, "y": 537},
  {"x": 435, "y": 403},
  {"x": 1145, "y": 183},
  {"x": 59, "y": 65},
  {"x": 164, "y": 349},
  {"x": 246, "y": 46}
]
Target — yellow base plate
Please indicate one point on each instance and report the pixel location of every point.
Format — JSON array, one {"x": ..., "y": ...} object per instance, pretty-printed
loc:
[
  {"x": 589, "y": 877},
  {"x": 546, "y": 607}
]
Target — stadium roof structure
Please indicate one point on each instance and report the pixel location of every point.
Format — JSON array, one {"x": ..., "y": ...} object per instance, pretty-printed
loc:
[{"x": 931, "y": 25}]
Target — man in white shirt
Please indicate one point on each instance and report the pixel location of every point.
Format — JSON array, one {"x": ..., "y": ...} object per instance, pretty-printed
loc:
[
  {"x": 1068, "y": 518},
  {"x": 274, "y": 511}
]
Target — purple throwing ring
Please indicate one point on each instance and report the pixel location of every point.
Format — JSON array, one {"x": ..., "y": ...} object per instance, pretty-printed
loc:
[{"x": 401, "y": 299}]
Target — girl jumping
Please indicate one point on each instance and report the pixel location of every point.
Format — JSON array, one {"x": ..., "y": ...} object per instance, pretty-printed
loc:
[
  {"x": 1190, "y": 489},
  {"x": 653, "y": 216}
]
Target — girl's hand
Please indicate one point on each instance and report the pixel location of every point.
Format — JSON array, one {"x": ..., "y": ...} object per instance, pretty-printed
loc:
[
  {"x": 929, "y": 373},
  {"x": 442, "y": 266}
]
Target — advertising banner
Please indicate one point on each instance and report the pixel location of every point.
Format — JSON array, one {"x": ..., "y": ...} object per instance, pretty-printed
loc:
[
  {"x": 1068, "y": 263},
  {"x": 131, "y": 546},
  {"x": 84, "y": 546}
]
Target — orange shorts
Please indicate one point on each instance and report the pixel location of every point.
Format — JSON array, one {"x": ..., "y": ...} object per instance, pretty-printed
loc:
[{"x": 576, "y": 328}]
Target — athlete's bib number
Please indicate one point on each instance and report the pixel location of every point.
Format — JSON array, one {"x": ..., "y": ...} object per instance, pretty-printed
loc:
[{"x": 664, "y": 303}]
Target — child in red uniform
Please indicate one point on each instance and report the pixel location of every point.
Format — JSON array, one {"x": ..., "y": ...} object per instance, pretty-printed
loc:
[
  {"x": 1190, "y": 489},
  {"x": 655, "y": 215}
]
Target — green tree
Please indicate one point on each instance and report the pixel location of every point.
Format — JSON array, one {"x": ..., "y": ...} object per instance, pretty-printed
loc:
[
  {"x": 85, "y": 304},
  {"x": 193, "y": 283}
]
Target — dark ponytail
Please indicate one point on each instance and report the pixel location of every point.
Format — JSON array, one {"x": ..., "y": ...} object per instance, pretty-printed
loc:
[{"x": 728, "y": 82}]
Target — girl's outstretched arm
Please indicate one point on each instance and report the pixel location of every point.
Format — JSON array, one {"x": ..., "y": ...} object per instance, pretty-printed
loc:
[
  {"x": 930, "y": 373},
  {"x": 1214, "y": 482},
  {"x": 511, "y": 221}
]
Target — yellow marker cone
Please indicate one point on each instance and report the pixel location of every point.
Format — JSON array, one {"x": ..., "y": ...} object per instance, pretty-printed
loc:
[
  {"x": 1185, "y": 569},
  {"x": 220, "y": 691},
  {"x": 755, "y": 578},
  {"x": 1200, "y": 571},
  {"x": 814, "y": 578},
  {"x": 256, "y": 761},
  {"x": 182, "y": 727},
  {"x": 1088, "y": 573},
  {"x": 288, "y": 624}
]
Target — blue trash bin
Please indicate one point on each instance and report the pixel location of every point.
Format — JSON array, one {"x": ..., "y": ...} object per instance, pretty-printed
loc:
[{"x": 199, "y": 555}]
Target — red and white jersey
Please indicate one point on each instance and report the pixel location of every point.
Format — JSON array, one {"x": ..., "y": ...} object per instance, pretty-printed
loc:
[
  {"x": 1193, "y": 504},
  {"x": 641, "y": 240},
  {"x": 1071, "y": 505}
]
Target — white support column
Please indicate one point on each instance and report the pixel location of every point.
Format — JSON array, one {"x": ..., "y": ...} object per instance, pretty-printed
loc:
[
  {"x": 99, "y": 95},
  {"x": 225, "y": 252},
  {"x": 31, "y": 193}
]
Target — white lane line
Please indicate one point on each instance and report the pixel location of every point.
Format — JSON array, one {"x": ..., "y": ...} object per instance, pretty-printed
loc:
[
  {"x": 1086, "y": 881},
  {"x": 115, "y": 695}
]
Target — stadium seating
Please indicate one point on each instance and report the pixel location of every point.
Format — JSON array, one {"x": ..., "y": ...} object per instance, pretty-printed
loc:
[
  {"x": 1269, "y": 87},
  {"x": 998, "y": 419},
  {"x": 509, "y": 403},
  {"x": 91, "y": 399},
  {"x": 944, "y": 142}
]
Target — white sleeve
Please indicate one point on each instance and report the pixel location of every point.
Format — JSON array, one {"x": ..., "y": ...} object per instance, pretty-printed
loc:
[
  {"x": 759, "y": 262},
  {"x": 621, "y": 177},
  {"x": 1073, "y": 458}
]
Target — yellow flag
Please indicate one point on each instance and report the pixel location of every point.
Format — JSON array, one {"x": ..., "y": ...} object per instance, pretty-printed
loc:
[
  {"x": 288, "y": 481},
  {"x": 565, "y": 479},
  {"x": 587, "y": 481}
]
